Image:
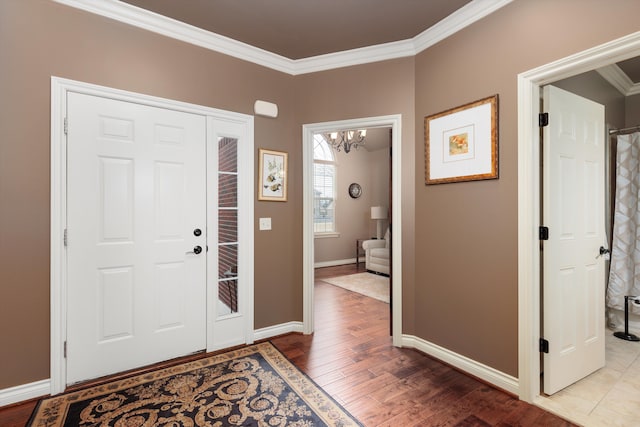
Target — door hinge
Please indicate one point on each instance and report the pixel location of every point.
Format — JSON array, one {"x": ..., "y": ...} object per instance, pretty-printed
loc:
[
  {"x": 65, "y": 238},
  {"x": 543, "y": 233},
  {"x": 65, "y": 349},
  {"x": 66, "y": 126},
  {"x": 543, "y": 346},
  {"x": 543, "y": 119}
]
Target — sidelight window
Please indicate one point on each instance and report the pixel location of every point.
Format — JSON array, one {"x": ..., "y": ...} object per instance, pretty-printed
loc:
[{"x": 228, "y": 225}]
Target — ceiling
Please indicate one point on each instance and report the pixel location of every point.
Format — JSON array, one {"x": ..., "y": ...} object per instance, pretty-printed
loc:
[
  {"x": 377, "y": 139},
  {"x": 624, "y": 76},
  {"x": 298, "y": 29},
  {"x": 302, "y": 36},
  {"x": 631, "y": 67}
]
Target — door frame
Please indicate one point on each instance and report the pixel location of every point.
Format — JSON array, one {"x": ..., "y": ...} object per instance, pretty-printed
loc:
[
  {"x": 529, "y": 304},
  {"x": 308, "y": 130},
  {"x": 58, "y": 203}
]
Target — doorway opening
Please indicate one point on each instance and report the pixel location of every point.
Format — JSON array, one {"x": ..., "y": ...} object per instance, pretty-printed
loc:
[
  {"x": 394, "y": 123},
  {"x": 590, "y": 396},
  {"x": 351, "y": 212},
  {"x": 529, "y": 84}
]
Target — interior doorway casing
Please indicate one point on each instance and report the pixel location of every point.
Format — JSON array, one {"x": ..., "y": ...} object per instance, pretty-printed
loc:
[
  {"x": 308, "y": 130},
  {"x": 529, "y": 84}
]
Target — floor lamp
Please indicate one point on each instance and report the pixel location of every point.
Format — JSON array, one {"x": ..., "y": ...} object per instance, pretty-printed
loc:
[{"x": 379, "y": 213}]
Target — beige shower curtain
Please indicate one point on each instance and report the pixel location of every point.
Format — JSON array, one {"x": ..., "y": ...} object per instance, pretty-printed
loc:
[{"x": 624, "y": 277}]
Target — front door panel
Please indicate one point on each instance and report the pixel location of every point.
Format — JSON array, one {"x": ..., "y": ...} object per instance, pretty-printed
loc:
[{"x": 136, "y": 193}]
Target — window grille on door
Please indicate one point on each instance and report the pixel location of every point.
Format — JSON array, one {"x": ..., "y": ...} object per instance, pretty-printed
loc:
[{"x": 227, "y": 226}]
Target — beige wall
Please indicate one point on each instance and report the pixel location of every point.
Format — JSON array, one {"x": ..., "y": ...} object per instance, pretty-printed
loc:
[
  {"x": 380, "y": 180},
  {"x": 371, "y": 170},
  {"x": 461, "y": 293},
  {"x": 466, "y": 235},
  {"x": 377, "y": 89},
  {"x": 632, "y": 111},
  {"x": 38, "y": 39}
]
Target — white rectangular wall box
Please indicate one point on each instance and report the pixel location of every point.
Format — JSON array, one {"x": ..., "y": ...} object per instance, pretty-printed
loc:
[{"x": 265, "y": 224}]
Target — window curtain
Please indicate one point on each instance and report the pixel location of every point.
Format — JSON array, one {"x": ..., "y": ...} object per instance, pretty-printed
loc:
[{"x": 624, "y": 276}]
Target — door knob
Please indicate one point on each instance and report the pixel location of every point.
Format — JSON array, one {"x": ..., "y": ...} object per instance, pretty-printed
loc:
[
  {"x": 197, "y": 232},
  {"x": 604, "y": 252},
  {"x": 196, "y": 250}
]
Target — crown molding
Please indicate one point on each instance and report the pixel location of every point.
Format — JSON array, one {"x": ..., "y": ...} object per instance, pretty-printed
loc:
[
  {"x": 348, "y": 58},
  {"x": 618, "y": 79},
  {"x": 151, "y": 21},
  {"x": 463, "y": 17},
  {"x": 458, "y": 20}
]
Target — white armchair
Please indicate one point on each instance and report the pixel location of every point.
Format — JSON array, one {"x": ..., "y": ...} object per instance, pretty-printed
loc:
[{"x": 377, "y": 254}]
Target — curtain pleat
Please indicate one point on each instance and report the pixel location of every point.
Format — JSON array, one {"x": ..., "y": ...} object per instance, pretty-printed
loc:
[{"x": 624, "y": 277}]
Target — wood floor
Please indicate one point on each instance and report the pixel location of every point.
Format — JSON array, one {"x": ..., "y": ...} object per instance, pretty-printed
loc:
[{"x": 351, "y": 357}]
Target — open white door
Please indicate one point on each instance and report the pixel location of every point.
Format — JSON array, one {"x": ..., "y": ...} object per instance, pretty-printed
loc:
[
  {"x": 573, "y": 211},
  {"x": 136, "y": 198}
]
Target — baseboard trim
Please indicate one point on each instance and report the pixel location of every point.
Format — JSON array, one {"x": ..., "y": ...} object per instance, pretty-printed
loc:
[
  {"x": 37, "y": 389},
  {"x": 497, "y": 378},
  {"x": 24, "y": 392},
  {"x": 492, "y": 376},
  {"x": 274, "y": 331},
  {"x": 336, "y": 262}
]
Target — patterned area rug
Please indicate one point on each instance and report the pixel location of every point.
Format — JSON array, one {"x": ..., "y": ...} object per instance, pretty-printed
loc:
[
  {"x": 369, "y": 284},
  {"x": 253, "y": 386}
]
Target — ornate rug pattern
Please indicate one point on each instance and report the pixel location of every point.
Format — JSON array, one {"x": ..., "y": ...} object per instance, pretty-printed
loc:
[
  {"x": 368, "y": 284},
  {"x": 252, "y": 386}
]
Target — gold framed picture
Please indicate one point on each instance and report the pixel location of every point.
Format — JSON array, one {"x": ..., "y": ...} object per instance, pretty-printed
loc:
[
  {"x": 461, "y": 144},
  {"x": 272, "y": 179}
]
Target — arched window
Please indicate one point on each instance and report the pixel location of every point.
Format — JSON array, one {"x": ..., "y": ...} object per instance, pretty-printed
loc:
[{"x": 324, "y": 186}]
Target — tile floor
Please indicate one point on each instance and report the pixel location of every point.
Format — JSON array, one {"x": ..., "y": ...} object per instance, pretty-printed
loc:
[{"x": 608, "y": 397}]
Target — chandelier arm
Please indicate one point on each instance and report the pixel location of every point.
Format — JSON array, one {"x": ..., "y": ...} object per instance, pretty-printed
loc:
[{"x": 347, "y": 139}]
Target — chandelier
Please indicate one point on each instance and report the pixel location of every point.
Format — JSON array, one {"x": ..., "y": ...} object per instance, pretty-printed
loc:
[{"x": 346, "y": 139}]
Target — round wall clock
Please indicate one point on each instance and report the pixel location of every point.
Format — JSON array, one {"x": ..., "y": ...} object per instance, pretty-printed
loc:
[{"x": 355, "y": 190}]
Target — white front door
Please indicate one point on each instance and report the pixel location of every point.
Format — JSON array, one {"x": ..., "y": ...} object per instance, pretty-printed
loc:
[
  {"x": 136, "y": 194},
  {"x": 573, "y": 210}
]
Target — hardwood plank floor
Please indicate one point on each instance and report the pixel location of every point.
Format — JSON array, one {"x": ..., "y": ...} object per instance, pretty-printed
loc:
[
  {"x": 350, "y": 355},
  {"x": 17, "y": 415}
]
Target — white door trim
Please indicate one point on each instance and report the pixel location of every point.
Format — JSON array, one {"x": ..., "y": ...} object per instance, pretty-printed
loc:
[
  {"x": 308, "y": 130},
  {"x": 58, "y": 260},
  {"x": 529, "y": 84}
]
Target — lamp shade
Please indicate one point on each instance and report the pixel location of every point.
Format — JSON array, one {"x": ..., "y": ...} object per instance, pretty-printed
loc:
[{"x": 378, "y": 212}]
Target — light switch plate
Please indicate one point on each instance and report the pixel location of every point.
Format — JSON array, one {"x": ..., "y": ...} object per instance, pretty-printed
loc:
[{"x": 265, "y": 223}]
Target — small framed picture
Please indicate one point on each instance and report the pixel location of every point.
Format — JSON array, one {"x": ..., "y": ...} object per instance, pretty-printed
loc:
[
  {"x": 462, "y": 143},
  {"x": 272, "y": 180}
]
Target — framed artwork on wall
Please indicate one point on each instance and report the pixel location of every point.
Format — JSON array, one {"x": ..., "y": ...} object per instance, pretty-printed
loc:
[
  {"x": 272, "y": 178},
  {"x": 461, "y": 144}
]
